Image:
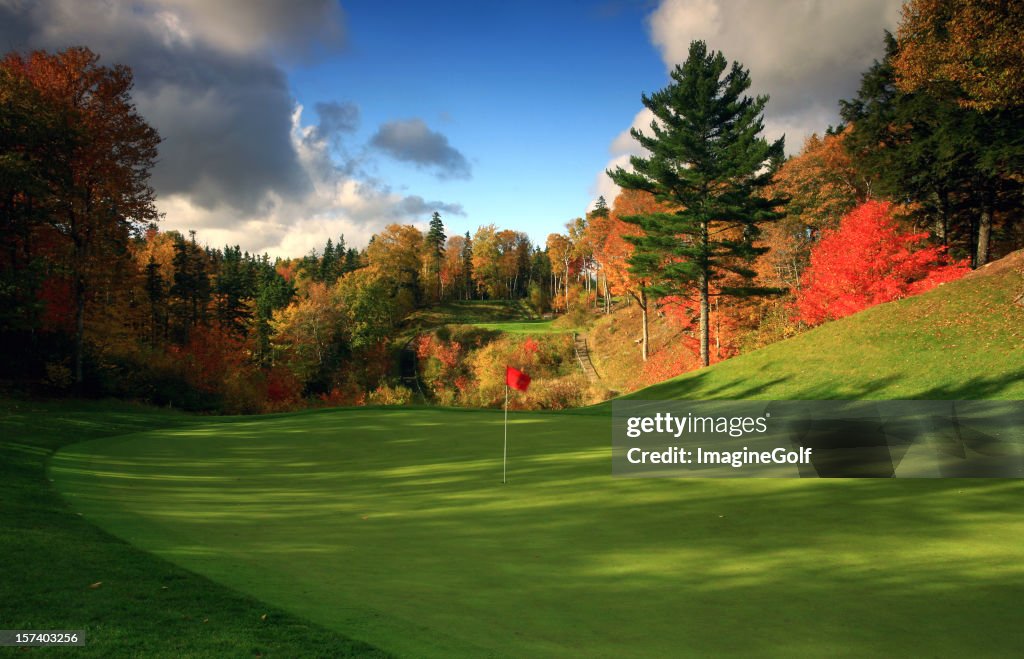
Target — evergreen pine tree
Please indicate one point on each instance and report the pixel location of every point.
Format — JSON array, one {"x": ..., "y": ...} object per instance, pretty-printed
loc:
[
  {"x": 327, "y": 272},
  {"x": 272, "y": 292},
  {"x": 352, "y": 259},
  {"x": 709, "y": 163},
  {"x": 467, "y": 266},
  {"x": 232, "y": 292},
  {"x": 190, "y": 291},
  {"x": 433, "y": 247}
]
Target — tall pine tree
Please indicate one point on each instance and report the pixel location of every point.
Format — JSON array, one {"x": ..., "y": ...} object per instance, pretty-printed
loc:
[
  {"x": 467, "y": 266},
  {"x": 433, "y": 247},
  {"x": 709, "y": 162}
]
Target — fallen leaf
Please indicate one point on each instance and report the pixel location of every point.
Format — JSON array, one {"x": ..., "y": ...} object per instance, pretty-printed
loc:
[{"x": 96, "y": 585}]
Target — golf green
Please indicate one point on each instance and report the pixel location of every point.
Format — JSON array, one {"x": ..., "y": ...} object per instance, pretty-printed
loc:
[{"x": 393, "y": 526}]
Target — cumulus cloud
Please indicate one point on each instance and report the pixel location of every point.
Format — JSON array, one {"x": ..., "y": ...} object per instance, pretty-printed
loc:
[
  {"x": 805, "y": 54},
  {"x": 296, "y": 29},
  {"x": 235, "y": 163},
  {"x": 412, "y": 141}
]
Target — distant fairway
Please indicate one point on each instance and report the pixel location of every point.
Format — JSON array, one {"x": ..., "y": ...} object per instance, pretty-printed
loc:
[
  {"x": 524, "y": 327},
  {"x": 393, "y": 527}
]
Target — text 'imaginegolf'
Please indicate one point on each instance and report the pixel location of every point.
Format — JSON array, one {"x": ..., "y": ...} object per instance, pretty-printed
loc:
[{"x": 818, "y": 439}]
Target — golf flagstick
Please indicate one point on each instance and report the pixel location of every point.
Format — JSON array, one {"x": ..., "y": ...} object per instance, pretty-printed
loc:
[
  {"x": 504, "y": 459},
  {"x": 519, "y": 381}
]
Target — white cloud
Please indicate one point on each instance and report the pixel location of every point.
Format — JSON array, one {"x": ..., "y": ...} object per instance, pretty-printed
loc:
[
  {"x": 805, "y": 54},
  {"x": 621, "y": 148},
  {"x": 624, "y": 142},
  {"x": 603, "y": 186}
]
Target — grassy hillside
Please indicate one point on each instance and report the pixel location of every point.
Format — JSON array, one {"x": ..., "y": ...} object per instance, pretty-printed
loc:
[
  {"x": 614, "y": 342},
  {"x": 962, "y": 340}
]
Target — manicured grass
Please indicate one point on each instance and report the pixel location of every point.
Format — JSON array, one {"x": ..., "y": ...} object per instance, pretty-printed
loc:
[
  {"x": 470, "y": 311},
  {"x": 141, "y": 605},
  {"x": 533, "y": 327},
  {"x": 963, "y": 340},
  {"x": 392, "y": 526}
]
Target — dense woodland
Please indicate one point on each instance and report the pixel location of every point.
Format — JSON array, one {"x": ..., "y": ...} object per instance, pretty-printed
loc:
[{"x": 729, "y": 242}]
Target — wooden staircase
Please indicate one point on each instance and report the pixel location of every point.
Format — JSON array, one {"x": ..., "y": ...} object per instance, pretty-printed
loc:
[{"x": 583, "y": 357}]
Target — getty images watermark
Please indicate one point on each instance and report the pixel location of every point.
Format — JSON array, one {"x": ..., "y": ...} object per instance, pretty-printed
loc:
[{"x": 818, "y": 439}]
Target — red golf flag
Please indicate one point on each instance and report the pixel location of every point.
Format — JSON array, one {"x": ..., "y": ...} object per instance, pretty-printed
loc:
[{"x": 516, "y": 379}]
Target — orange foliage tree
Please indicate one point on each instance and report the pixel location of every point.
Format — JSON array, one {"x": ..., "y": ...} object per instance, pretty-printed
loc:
[
  {"x": 615, "y": 250},
  {"x": 104, "y": 195},
  {"x": 309, "y": 335},
  {"x": 395, "y": 255},
  {"x": 560, "y": 252},
  {"x": 822, "y": 184},
  {"x": 453, "y": 265},
  {"x": 976, "y": 45}
]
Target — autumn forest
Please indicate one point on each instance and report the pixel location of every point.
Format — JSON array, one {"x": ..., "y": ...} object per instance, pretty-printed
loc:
[{"x": 919, "y": 184}]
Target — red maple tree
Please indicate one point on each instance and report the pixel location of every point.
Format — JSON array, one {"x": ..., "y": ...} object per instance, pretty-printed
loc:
[{"x": 868, "y": 260}]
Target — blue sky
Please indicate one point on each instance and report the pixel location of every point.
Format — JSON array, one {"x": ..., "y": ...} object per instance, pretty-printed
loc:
[
  {"x": 286, "y": 123},
  {"x": 531, "y": 94}
]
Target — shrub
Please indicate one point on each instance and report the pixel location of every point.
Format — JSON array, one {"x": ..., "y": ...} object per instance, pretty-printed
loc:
[
  {"x": 58, "y": 375},
  {"x": 245, "y": 392},
  {"x": 346, "y": 394},
  {"x": 868, "y": 261},
  {"x": 387, "y": 394},
  {"x": 554, "y": 393}
]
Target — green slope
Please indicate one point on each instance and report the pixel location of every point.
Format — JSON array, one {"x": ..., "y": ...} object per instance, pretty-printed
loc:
[{"x": 963, "y": 340}]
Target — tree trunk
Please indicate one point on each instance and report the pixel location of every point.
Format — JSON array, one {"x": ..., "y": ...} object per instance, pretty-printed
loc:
[
  {"x": 641, "y": 300},
  {"x": 705, "y": 275},
  {"x": 984, "y": 233},
  {"x": 704, "y": 353},
  {"x": 718, "y": 330},
  {"x": 941, "y": 228},
  {"x": 607, "y": 298},
  {"x": 79, "y": 282},
  {"x": 566, "y": 283},
  {"x": 79, "y": 328},
  {"x": 643, "y": 313}
]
